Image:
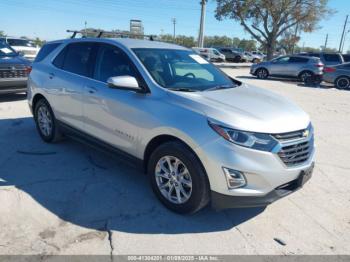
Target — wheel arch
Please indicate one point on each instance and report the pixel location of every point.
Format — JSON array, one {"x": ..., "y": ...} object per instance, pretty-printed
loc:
[
  {"x": 304, "y": 71},
  {"x": 35, "y": 100},
  {"x": 161, "y": 139}
]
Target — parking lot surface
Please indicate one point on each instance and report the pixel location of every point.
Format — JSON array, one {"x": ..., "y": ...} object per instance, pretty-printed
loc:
[{"x": 68, "y": 198}]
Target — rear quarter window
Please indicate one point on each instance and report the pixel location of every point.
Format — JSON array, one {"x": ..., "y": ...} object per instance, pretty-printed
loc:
[
  {"x": 45, "y": 51},
  {"x": 332, "y": 58},
  {"x": 346, "y": 58}
]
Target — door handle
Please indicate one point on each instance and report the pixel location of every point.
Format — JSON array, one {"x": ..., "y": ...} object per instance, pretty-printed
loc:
[
  {"x": 51, "y": 75},
  {"x": 91, "y": 89}
]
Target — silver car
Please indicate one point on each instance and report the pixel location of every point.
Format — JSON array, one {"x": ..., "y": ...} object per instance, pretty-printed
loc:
[
  {"x": 201, "y": 136},
  {"x": 338, "y": 75},
  {"x": 300, "y": 67}
]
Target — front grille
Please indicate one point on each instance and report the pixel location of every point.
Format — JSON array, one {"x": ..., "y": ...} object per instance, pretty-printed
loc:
[
  {"x": 296, "y": 147},
  {"x": 290, "y": 135},
  {"x": 13, "y": 73}
]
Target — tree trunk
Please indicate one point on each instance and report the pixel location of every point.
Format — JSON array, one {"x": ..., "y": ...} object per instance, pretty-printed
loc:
[{"x": 271, "y": 46}]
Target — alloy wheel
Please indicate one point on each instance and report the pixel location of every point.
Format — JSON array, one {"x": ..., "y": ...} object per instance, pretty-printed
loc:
[
  {"x": 173, "y": 179},
  {"x": 44, "y": 120},
  {"x": 343, "y": 83}
]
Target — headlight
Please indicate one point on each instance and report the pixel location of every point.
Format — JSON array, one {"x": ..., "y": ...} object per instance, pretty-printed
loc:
[{"x": 256, "y": 141}]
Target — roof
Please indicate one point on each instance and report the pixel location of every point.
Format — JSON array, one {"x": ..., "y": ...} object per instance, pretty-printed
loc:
[{"x": 127, "y": 42}]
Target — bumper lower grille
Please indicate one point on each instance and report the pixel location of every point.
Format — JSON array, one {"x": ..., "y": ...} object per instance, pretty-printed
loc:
[
  {"x": 296, "y": 148},
  {"x": 17, "y": 73}
]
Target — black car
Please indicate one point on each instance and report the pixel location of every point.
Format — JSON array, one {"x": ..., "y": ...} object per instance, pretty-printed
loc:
[
  {"x": 14, "y": 70},
  {"x": 346, "y": 58}
]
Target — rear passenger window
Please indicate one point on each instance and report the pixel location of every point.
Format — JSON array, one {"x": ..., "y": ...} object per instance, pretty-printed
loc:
[
  {"x": 45, "y": 51},
  {"x": 332, "y": 58},
  {"x": 110, "y": 62},
  {"x": 58, "y": 61},
  {"x": 298, "y": 60},
  {"x": 77, "y": 58}
]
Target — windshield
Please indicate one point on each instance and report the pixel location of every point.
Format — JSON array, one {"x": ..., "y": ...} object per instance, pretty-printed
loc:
[
  {"x": 20, "y": 42},
  {"x": 182, "y": 70},
  {"x": 6, "y": 50}
]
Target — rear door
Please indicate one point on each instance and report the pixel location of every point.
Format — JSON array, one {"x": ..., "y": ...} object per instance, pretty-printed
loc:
[
  {"x": 66, "y": 79},
  {"x": 296, "y": 65}
]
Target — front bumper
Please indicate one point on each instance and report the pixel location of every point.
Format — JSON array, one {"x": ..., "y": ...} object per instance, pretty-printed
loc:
[
  {"x": 221, "y": 201},
  {"x": 13, "y": 85}
]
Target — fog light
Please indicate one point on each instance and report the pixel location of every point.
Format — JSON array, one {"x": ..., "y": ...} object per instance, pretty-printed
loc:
[{"x": 234, "y": 178}]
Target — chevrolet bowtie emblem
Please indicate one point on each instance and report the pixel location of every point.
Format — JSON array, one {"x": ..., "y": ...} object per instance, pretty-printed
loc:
[{"x": 306, "y": 133}]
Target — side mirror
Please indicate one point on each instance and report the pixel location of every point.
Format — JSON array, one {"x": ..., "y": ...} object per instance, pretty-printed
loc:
[{"x": 124, "y": 82}]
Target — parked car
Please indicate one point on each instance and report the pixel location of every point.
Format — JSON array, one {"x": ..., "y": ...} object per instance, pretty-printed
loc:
[
  {"x": 200, "y": 135},
  {"x": 14, "y": 70},
  {"x": 300, "y": 67},
  {"x": 346, "y": 58},
  {"x": 23, "y": 46},
  {"x": 231, "y": 55},
  {"x": 260, "y": 54},
  {"x": 338, "y": 75},
  {"x": 211, "y": 54},
  {"x": 327, "y": 58},
  {"x": 252, "y": 58}
]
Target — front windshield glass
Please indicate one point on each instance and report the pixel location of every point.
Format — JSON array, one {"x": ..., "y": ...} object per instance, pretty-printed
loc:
[
  {"x": 6, "y": 50},
  {"x": 20, "y": 42},
  {"x": 182, "y": 70}
]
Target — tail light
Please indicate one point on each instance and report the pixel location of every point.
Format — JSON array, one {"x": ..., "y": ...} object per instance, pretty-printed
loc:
[
  {"x": 329, "y": 69},
  {"x": 28, "y": 69},
  {"x": 319, "y": 65}
]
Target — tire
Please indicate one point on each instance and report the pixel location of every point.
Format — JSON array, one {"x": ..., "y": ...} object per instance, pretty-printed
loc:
[
  {"x": 306, "y": 77},
  {"x": 255, "y": 60},
  {"x": 237, "y": 59},
  {"x": 46, "y": 123},
  {"x": 342, "y": 82},
  {"x": 193, "y": 181},
  {"x": 262, "y": 73}
]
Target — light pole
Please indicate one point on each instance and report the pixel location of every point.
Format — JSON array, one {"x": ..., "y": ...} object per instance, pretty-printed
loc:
[
  {"x": 201, "y": 25},
  {"x": 174, "y": 24}
]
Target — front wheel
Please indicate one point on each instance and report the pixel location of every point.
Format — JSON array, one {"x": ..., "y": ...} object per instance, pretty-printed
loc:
[
  {"x": 342, "y": 82},
  {"x": 262, "y": 73},
  {"x": 178, "y": 178}
]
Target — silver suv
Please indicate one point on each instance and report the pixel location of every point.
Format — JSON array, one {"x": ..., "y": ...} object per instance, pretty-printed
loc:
[
  {"x": 201, "y": 136},
  {"x": 300, "y": 67}
]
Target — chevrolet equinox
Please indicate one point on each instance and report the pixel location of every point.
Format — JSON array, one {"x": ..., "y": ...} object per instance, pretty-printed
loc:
[{"x": 202, "y": 136}]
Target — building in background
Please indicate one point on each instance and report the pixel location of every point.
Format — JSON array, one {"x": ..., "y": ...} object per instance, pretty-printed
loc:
[{"x": 136, "y": 27}]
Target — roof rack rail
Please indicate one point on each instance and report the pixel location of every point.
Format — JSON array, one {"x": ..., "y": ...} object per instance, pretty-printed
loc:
[{"x": 100, "y": 33}]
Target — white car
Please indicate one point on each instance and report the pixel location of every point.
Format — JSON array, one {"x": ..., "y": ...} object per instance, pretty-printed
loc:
[
  {"x": 252, "y": 58},
  {"x": 25, "y": 47},
  {"x": 210, "y": 54}
]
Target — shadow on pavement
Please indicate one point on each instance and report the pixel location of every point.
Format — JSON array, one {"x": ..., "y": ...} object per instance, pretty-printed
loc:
[
  {"x": 13, "y": 97},
  {"x": 94, "y": 190}
]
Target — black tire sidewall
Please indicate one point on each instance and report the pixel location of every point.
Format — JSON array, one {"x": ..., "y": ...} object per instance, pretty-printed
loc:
[
  {"x": 200, "y": 185},
  {"x": 336, "y": 83},
  {"x": 51, "y": 137}
]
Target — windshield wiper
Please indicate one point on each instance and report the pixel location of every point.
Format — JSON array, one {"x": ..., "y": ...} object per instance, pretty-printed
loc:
[
  {"x": 182, "y": 89},
  {"x": 220, "y": 87}
]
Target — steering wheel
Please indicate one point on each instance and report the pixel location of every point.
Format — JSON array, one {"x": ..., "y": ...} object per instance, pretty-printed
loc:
[{"x": 190, "y": 74}]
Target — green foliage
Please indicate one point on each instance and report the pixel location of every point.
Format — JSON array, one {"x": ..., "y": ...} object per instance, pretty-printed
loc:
[
  {"x": 268, "y": 20},
  {"x": 2, "y": 33}
]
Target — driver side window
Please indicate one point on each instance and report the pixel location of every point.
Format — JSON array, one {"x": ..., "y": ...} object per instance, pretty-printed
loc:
[{"x": 110, "y": 62}]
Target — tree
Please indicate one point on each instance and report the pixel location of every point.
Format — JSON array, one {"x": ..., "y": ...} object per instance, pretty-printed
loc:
[
  {"x": 2, "y": 33},
  {"x": 267, "y": 20}
]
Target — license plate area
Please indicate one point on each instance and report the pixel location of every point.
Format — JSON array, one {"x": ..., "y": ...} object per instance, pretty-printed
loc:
[{"x": 305, "y": 175}]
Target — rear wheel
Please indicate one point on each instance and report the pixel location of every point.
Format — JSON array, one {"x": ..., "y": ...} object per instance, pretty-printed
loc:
[
  {"x": 306, "y": 76},
  {"x": 46, "y": 122},
  {"x": 178, "y": 178},
  {"x": 342, "y": 82},
  {"x": 262, "y": 73}
]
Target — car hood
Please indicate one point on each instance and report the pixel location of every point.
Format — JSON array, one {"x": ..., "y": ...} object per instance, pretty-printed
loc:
[
  {"x": 13, "y": 60},
  {"x": 247, "y": 108}
]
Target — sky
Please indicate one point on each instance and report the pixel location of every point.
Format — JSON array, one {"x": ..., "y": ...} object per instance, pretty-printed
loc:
[{"x": 49, "y": 19}]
